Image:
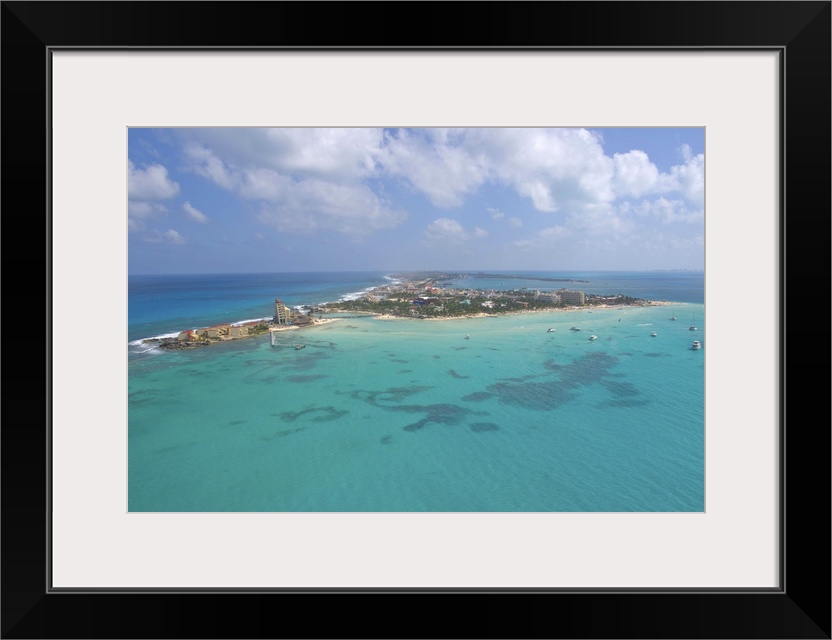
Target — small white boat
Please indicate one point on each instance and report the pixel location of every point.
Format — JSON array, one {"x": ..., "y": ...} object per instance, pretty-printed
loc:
[
  {"x": 593, "y": 337},
  {"x": 467, "y": 337},
  {"x": 654, "y": 334},
  {"x": 550, "y": 330},
  {"x": 672, "y": 317},
  {"x": 574, "y": 329},
  {"x": 299, "y": 347},
  {"x": 696, "y": 345},
  {"x": 692, "y": 328}
]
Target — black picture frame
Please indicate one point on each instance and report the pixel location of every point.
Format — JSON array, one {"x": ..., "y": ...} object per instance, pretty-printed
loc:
[{"x": 798, "y": 608}]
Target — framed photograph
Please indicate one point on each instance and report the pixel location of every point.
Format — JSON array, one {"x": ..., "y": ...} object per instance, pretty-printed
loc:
[
  {"x": 444, "y": 385},
  {"x": 172, "y": 148}
]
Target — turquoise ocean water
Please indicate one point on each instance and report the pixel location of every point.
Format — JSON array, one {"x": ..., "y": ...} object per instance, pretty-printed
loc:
[{"x": 407, "y": 415}]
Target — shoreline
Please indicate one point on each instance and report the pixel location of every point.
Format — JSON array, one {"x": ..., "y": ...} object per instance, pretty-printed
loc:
[
  {"x": 292, "y": 327},
  {"x": 389, "y": 316},
  {"x": 172, "y": 341},
  {"x": 174, "y": 344},
  {"x": 434, "y": 286}
]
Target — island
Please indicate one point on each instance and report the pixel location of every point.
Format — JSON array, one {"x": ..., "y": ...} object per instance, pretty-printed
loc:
[
  {"x": 413, "y": 296},
  {"x": 429, "y": 298},
  {"x": 284, "y": 319}
]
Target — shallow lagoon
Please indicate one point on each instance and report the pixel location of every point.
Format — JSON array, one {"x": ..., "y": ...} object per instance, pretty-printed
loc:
[{"x": 403, "y": 415}]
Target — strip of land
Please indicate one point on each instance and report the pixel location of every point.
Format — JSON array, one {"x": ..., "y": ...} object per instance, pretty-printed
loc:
[
  {"x": 421, "y": 298},
  {"x": 427, "y": 299}
]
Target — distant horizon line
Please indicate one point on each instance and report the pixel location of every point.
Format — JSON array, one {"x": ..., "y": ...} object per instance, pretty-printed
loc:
[{"x": 403, "y": 271}]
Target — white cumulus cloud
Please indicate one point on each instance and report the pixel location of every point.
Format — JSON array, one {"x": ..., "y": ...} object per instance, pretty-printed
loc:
[
  {"x": 343, "y": 154},
  {"x": 446, "y": 230},
  {"x": 170, "y": 236},
  {"x": 690, "y": 177},
  {"x": 207, "y": 164},
  {"x": 553, "y": 168},
  {"x": 194, "y": 214},
  {"x": 435, "y": 162},
  {"x": 146, "y": 187},
  {"x": 299, "y": 201},
  {"x": 309, "y": 179},
  {"x": 558, "y": 231},
  {"x": 150, "y": 183},
  {"x": 635, "y": 175},
  {"x": 313, "y": 205},
  {"x": 137, "y": 209},
  {"x": 667, "y": 211}
]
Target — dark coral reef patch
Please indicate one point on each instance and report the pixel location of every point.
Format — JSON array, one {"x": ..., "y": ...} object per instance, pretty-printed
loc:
[
  {"x": 594, "y": 368},
  {"x": 484, "y": 426},
  {"x": 319, "y": 414},
  {"x": 435, "y": 414},
  {"x": 478, "y": 396}
]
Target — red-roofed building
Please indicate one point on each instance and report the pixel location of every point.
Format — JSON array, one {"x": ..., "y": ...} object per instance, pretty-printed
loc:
[
  {"x": 218, "y": 331},
  {"x": 237, "y": 332}
]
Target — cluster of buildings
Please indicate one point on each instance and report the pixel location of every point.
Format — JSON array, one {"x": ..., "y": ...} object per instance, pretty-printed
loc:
[
  {"x": 283, "y": 316},
  {"x": 562, "y": 296},
  {"x": 426, "y": 293},
  {"x": 221, "y": 332},
  {"x": 423, "y": 293},
  {"x": 425, "y": 298}
]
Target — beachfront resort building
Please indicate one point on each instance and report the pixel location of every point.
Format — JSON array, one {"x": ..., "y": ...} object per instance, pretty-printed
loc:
[
  {"x": 217, "y": 331},
  {"x": 572, "y": 297},
  {"x": 281, "y": 313},
  {"x": 237, "y": 331},
  {"x": 547, "y": 296}
]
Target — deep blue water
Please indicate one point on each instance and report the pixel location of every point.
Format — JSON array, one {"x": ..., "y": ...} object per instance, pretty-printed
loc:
[{"x": 162, "y": 304}]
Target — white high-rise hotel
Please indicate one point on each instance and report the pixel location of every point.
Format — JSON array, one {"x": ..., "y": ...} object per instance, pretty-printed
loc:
[
  {"x": 565, "y": 296},
  {"x": 572, "y": 297}
]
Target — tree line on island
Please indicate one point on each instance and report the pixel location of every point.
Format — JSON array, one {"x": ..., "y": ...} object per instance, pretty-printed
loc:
[{"x": 475, "y": 303}]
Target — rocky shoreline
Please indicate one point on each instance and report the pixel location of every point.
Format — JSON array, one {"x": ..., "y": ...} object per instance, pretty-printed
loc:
[{"x": 172, "y": 344}]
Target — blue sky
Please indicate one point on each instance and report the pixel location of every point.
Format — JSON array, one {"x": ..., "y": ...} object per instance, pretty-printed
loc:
[{"x": 244, "y": 200}]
